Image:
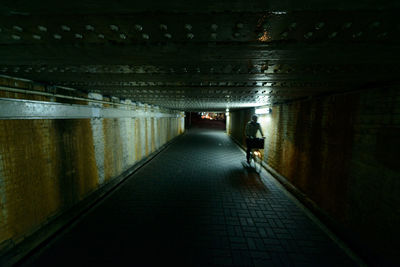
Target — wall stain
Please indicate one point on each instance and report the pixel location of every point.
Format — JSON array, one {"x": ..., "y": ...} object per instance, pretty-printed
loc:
[
  {"x": 50, "y": 165},
  {"x": 138, "y": 140},
  {"x": 146, "y": 134},
  {"x": 31, "y": 188},
  {"x": 153, "y": 141},
  {"x": 113, "y": 158},
  {"x": 76, "y": 163}
]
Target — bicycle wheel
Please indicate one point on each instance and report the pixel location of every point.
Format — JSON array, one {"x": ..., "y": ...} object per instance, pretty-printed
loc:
[
  {"x": 252, "y": 160},
  {"x": 257, "y": 164}
]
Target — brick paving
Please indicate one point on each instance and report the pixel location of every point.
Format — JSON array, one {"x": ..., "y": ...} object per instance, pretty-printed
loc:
[{"x": 195, "y": 204}]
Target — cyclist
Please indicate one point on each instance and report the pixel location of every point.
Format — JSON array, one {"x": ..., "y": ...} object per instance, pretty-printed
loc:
[{"x": 252, "y": 128}]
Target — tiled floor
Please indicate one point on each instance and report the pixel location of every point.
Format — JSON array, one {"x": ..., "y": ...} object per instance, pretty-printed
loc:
[{"x": 196, "y": 204}]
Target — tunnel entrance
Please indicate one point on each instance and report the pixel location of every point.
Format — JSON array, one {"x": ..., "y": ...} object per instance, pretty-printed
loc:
[{"x": 205, "y": 120}]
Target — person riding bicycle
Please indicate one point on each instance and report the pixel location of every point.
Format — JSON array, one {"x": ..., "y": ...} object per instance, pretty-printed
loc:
[{"x": 252, "y": 128}]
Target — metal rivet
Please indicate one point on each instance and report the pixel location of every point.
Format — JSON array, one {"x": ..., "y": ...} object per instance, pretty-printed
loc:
[
  {"x": 214, "y": 27},
  {"x": 89, "y": 27},
  {"x": 308, "y": 35},
  {"x": 163, "y": 27},
  {"x": 114, "y": 27},
  {"x": 57, "y": 36},
  {"x": 79, "y": 36},
  {"x": 17, "y": 28},
  {"x": 168, "y": 35},
  {"x": 332, "y": 35},
  {"x": 65, "y": 28},
  {"x": 319, "y": 25},
  {"x": 190, "y": 35},
  {"x": 375, "y": 24},
  {"x": 15, "y": 37},
  {"x": 188, "y": 27},
  {"x": 347, "y": 25},
  {"x": 138, "y": 27},
  {"x": 42, "y": 28},
  {"x": 122, "y": 36},
  {"x": 383, "y": 34},
  {"x": 37, "y": 37},
  {"x": 145, "y": 36}
]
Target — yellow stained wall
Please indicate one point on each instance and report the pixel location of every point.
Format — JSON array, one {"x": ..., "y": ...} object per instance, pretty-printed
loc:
[
  {"x": 46, "y": 165},
  {"x": 49, "y": 165},
  {"x": 113, "y": 159},
  {"x": 342, "y": 152}
]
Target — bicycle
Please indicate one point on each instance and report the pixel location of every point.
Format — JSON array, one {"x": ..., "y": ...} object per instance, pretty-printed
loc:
[{"x": 256, "y": 155}]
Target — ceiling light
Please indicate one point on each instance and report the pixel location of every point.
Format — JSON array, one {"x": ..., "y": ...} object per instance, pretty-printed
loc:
[{"x": 260, "y": 111}]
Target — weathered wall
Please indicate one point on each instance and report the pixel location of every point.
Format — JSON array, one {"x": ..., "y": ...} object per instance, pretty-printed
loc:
[
  {"x": 49, "y": 165},
  {"x": 342, "y": 151},
  {"x": 237, "y": 124}
]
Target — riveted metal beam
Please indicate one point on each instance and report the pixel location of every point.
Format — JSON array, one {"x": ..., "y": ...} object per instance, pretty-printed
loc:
[{"x": 28, "y": 109}]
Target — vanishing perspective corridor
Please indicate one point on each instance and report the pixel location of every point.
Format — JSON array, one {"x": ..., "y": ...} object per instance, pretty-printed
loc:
[
  {"x": 123, "y": 125},
  {"x": 195, "y": 204}
]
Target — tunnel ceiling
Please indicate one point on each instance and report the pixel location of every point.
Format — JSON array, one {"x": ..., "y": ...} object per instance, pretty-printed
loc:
[{"x": 202, "y": 55}]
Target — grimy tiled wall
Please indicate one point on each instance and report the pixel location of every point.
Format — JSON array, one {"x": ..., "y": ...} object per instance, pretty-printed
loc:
[
  {"x": 343, "y": 152},
  {"x": 49, "y": 165}
]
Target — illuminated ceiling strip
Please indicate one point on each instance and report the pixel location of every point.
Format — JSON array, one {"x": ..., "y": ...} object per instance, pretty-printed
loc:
[
  {"x": 27, "y": 109},
  {"x": 262, "y": 111}
]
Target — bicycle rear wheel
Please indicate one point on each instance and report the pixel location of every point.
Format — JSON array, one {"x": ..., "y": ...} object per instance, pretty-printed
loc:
[
  {"x": 252, "y": 161},
  {"x": 257, "y": 164}
]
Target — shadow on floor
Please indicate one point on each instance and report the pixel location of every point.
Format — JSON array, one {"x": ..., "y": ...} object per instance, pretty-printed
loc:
[{"x": 246, "y": 178}]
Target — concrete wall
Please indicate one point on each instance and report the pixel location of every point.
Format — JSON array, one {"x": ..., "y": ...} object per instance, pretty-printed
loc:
[
  {"x": 342, "y": 152},
  {"x": 49, "y": 165}
]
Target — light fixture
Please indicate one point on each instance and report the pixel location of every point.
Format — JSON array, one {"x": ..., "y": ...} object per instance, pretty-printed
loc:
[{"x": 260, "y": 111}]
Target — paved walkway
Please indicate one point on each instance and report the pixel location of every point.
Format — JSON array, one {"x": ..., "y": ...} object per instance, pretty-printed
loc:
[{"x": 196, "y": 204}]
